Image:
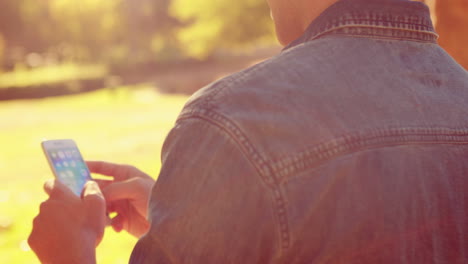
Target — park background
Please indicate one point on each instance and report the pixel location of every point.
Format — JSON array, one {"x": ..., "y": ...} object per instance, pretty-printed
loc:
[{"x": 113, "y": 76}]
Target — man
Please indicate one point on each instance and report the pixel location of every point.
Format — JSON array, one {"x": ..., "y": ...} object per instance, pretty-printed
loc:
[{"x": 348, "y": 147}]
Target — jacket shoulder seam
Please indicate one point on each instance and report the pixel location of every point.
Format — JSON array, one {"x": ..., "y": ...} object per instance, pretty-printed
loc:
[
  {"x": 318, "y": 154},
  {"x": 260, "y": 162}
]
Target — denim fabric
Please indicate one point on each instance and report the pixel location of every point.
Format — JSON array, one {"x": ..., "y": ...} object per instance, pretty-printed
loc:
[{"x": 350, "y": 146}]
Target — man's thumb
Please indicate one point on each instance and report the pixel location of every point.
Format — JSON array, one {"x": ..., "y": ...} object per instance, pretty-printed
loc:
[
  {"x": 95, "y": 208},
  {"x": 91, "y": 188}
]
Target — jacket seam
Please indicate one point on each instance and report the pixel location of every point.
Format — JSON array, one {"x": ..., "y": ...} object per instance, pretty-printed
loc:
[
  {"x": 433, "y": 36},
  {"x": 377, "y": 22},
  {"x": 219, "y": 87},
  {"x": 370, "y": 15},
  {"x": 261, "y": 164},
  {"x": 379, "y": 37},
  {"x": 318, "y": 154}
]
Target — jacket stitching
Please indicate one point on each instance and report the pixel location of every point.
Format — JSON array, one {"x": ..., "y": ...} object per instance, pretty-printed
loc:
[
  {"x": 379, "y": 22},
  {"x": 422, "y": 36},
  {"x": 261, "y": 164},
  {"x": 221, "y": 86},
  {"x": 352, "y": 143}
]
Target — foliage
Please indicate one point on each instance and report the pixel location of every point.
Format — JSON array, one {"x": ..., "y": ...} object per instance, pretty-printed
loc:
[
  {"x": 128, "y": 31},
  {"x": 221, "y": 23}
]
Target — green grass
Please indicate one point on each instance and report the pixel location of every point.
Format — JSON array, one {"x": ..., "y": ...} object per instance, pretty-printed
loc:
[
  {"x": 51, "y": 74},
  {"x": 124, "y": 126}
]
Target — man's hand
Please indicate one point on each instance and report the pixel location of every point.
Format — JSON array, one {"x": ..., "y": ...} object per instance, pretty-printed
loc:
[
  {"x": 127, "y": 195},
  {"x": 68, "y": 228}
]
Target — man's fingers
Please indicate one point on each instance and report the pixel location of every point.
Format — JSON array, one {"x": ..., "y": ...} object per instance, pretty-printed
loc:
[
  {"x": 118, "y": 223},
  {"x": 103, "y": 168},
  {"x": 118, "y": 171},
  {"x": 103, "y": 183},
  {"x": 57, "y": 190},
  {"x": 121, "y": 190}
]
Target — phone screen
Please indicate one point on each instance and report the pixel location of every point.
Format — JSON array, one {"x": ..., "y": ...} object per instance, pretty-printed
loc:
[{"x": 69, "y": 167}]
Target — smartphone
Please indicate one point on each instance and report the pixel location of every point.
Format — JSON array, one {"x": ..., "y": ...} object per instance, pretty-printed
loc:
[{"x": 66, "y": 163}]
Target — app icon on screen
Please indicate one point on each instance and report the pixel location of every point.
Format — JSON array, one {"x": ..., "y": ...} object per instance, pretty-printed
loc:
[{"x": 61, "y": 154}]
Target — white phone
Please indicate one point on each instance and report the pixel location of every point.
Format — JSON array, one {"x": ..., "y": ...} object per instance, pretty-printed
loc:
[{"x": 66, "y": 163}]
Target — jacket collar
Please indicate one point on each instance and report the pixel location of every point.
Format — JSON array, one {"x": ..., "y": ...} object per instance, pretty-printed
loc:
[{"x": 397, "y": 19}]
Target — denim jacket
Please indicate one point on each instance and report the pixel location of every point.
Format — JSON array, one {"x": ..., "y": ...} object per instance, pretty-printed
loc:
[{"x": 350, "y": 146}]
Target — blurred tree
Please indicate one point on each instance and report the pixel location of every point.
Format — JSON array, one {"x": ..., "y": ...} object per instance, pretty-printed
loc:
[
  {"x": 221, "y": 24},
  {"x": 11, "y": 22},
  {"x": 87, "y": 30},
  {"x": 131, "y": 31},
  {"x": 452, "y": 25},
  {"x": 147, "y": 21},
  {"x": 17, "y": 34}
]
